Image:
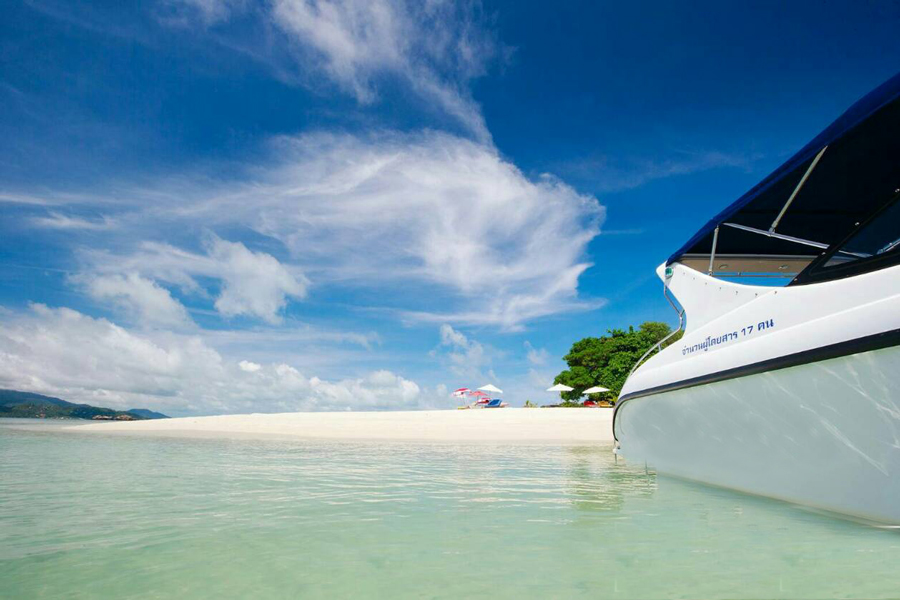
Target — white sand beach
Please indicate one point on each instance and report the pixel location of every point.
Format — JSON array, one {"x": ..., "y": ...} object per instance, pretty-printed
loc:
[{"x": 514, "y": 425}]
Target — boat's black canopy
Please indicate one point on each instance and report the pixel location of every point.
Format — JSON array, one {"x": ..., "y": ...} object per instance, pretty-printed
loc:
[{"x": 858, "y": 171}]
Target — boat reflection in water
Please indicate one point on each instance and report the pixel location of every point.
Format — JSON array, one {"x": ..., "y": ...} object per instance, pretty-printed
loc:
[{"x": 596, "y": 481}]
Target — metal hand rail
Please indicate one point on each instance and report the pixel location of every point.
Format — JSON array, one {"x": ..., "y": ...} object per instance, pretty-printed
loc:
[{"x": 658, "y": 345}]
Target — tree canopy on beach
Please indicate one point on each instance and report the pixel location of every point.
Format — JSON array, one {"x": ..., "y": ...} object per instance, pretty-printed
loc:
[{"x": 606, "y": 360}]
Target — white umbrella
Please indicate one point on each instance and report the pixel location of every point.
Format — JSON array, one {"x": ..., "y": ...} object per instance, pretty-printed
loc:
[
  {"x": 490, "y": 388},
  {"x": 560, "y": 388},
  {"x": 595, "y": 390}
]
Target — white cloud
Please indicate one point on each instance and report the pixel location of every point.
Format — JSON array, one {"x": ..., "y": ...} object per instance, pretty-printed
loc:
[
  {"x": 430, "y": 208},
  {"x": 289, "y": 336},
  {"x": 614, "y": 174},
  {"x": 466, "y": 358},
  {"x": 141, "y": 298},
  {"x": 55, "y": 220},
  {"x": 209, "y": 11},
  {"x": 65, "y": 353},
  {"x": 252, "y": 283},
  {"x": 10, "y": 198},
  {"x": 376, "y": 390},
  {"x": 451, "y": 337},
  {"x": 434, "y": 227},
  {"x": 536, "y": 356},
  {"x": 443, "y": 225},
  {"x": 353, "y": 38},
  {"x": 434, "y": 48},
  {"x": 61, "y": 350}
]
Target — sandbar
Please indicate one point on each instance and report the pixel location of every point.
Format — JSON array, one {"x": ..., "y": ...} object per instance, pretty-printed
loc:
[{"x": 574, "y": 426}]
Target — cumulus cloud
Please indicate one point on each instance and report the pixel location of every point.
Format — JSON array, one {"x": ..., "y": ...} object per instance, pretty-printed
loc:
[
  {"x": 254, "y": 283},
  {"x": 64, "y": 352},
  {"x": 141, "y": 298},
  {"x": 251, "y": 283},
  {"x": 250, "y": 367},
  {"x": 376, "y": 390}
]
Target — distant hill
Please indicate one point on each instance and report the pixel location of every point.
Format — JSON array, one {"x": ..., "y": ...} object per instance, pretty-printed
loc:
[
  {"x": 28, "y": 405},
  {"x": 147, "y": 414},
  {"x": 14, "y": 397}
]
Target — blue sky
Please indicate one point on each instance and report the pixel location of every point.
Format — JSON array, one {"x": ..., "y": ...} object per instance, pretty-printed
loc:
[{"x": 225, "y": 206}]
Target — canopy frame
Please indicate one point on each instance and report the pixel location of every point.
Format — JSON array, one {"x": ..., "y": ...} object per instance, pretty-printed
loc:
[
  {"x": 778, "y": 236},
  {"x": 797, "y": 189},
  {"x": 791, "y": 208}
]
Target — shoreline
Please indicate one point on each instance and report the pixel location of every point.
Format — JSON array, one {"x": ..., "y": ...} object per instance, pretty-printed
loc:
[{"x": 511, "y": 425}]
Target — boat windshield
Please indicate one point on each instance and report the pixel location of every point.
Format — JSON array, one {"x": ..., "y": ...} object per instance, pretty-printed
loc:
[
  {"x": 874, "y": 245},
  {"x": 878, "y": 237}
]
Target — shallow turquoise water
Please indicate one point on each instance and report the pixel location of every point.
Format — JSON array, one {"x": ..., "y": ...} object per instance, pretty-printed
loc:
[{"x": 129, "y": 517}]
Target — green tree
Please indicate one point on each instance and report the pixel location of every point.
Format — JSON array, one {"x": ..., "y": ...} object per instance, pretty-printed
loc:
[{"x": 606, "y": 360}]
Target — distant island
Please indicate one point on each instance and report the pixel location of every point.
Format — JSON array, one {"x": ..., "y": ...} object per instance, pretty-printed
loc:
[{"x": 27, "y": 405}]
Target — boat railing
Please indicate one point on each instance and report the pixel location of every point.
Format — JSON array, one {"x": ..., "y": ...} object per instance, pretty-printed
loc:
[
  {"x": 655, "y": 347},
  {"x": 659, "y": 345}
]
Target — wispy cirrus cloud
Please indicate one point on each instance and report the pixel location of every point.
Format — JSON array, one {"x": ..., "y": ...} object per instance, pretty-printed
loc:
[
  {"x": 434, "y": 48},
  {"x": 536, "y": 356},
  {"x": 372, "y": 212},
  {"x": 431, "y": 208},
  {"x": 279, "y": 340},
  {"x": 56, "y": 220},
  {"x": 428, "y": 227},
  {"x": 618, "y": 173},
  {"x": 208, "y": 12},
  {"x": 23, "y": 199},
  {"x": 465, "y": 357},
  {"x": 384, "y": 211}
]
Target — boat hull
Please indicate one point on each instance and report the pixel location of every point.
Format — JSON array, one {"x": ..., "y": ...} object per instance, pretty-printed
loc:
[{"x": 824, "y": 434}]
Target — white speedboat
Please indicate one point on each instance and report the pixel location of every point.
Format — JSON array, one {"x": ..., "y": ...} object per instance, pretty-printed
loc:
[{"x": 788, "y": 391}]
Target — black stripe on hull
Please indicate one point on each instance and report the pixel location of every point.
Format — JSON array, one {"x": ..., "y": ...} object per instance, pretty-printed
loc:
[{"x": 878, "y": 341}]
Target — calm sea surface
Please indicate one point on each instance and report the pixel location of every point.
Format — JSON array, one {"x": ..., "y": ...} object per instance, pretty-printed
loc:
[{"x": 85, "y": 516}]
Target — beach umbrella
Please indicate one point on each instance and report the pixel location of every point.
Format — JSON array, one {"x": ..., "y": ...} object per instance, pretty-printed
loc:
[
  {"x": 480, "y": 397},
  {"x": 595, "y": 390},
  {"x": 491, "y": 388},
  {"x": 461, "y": 393},
  {"x": 560, "y": 388}
]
